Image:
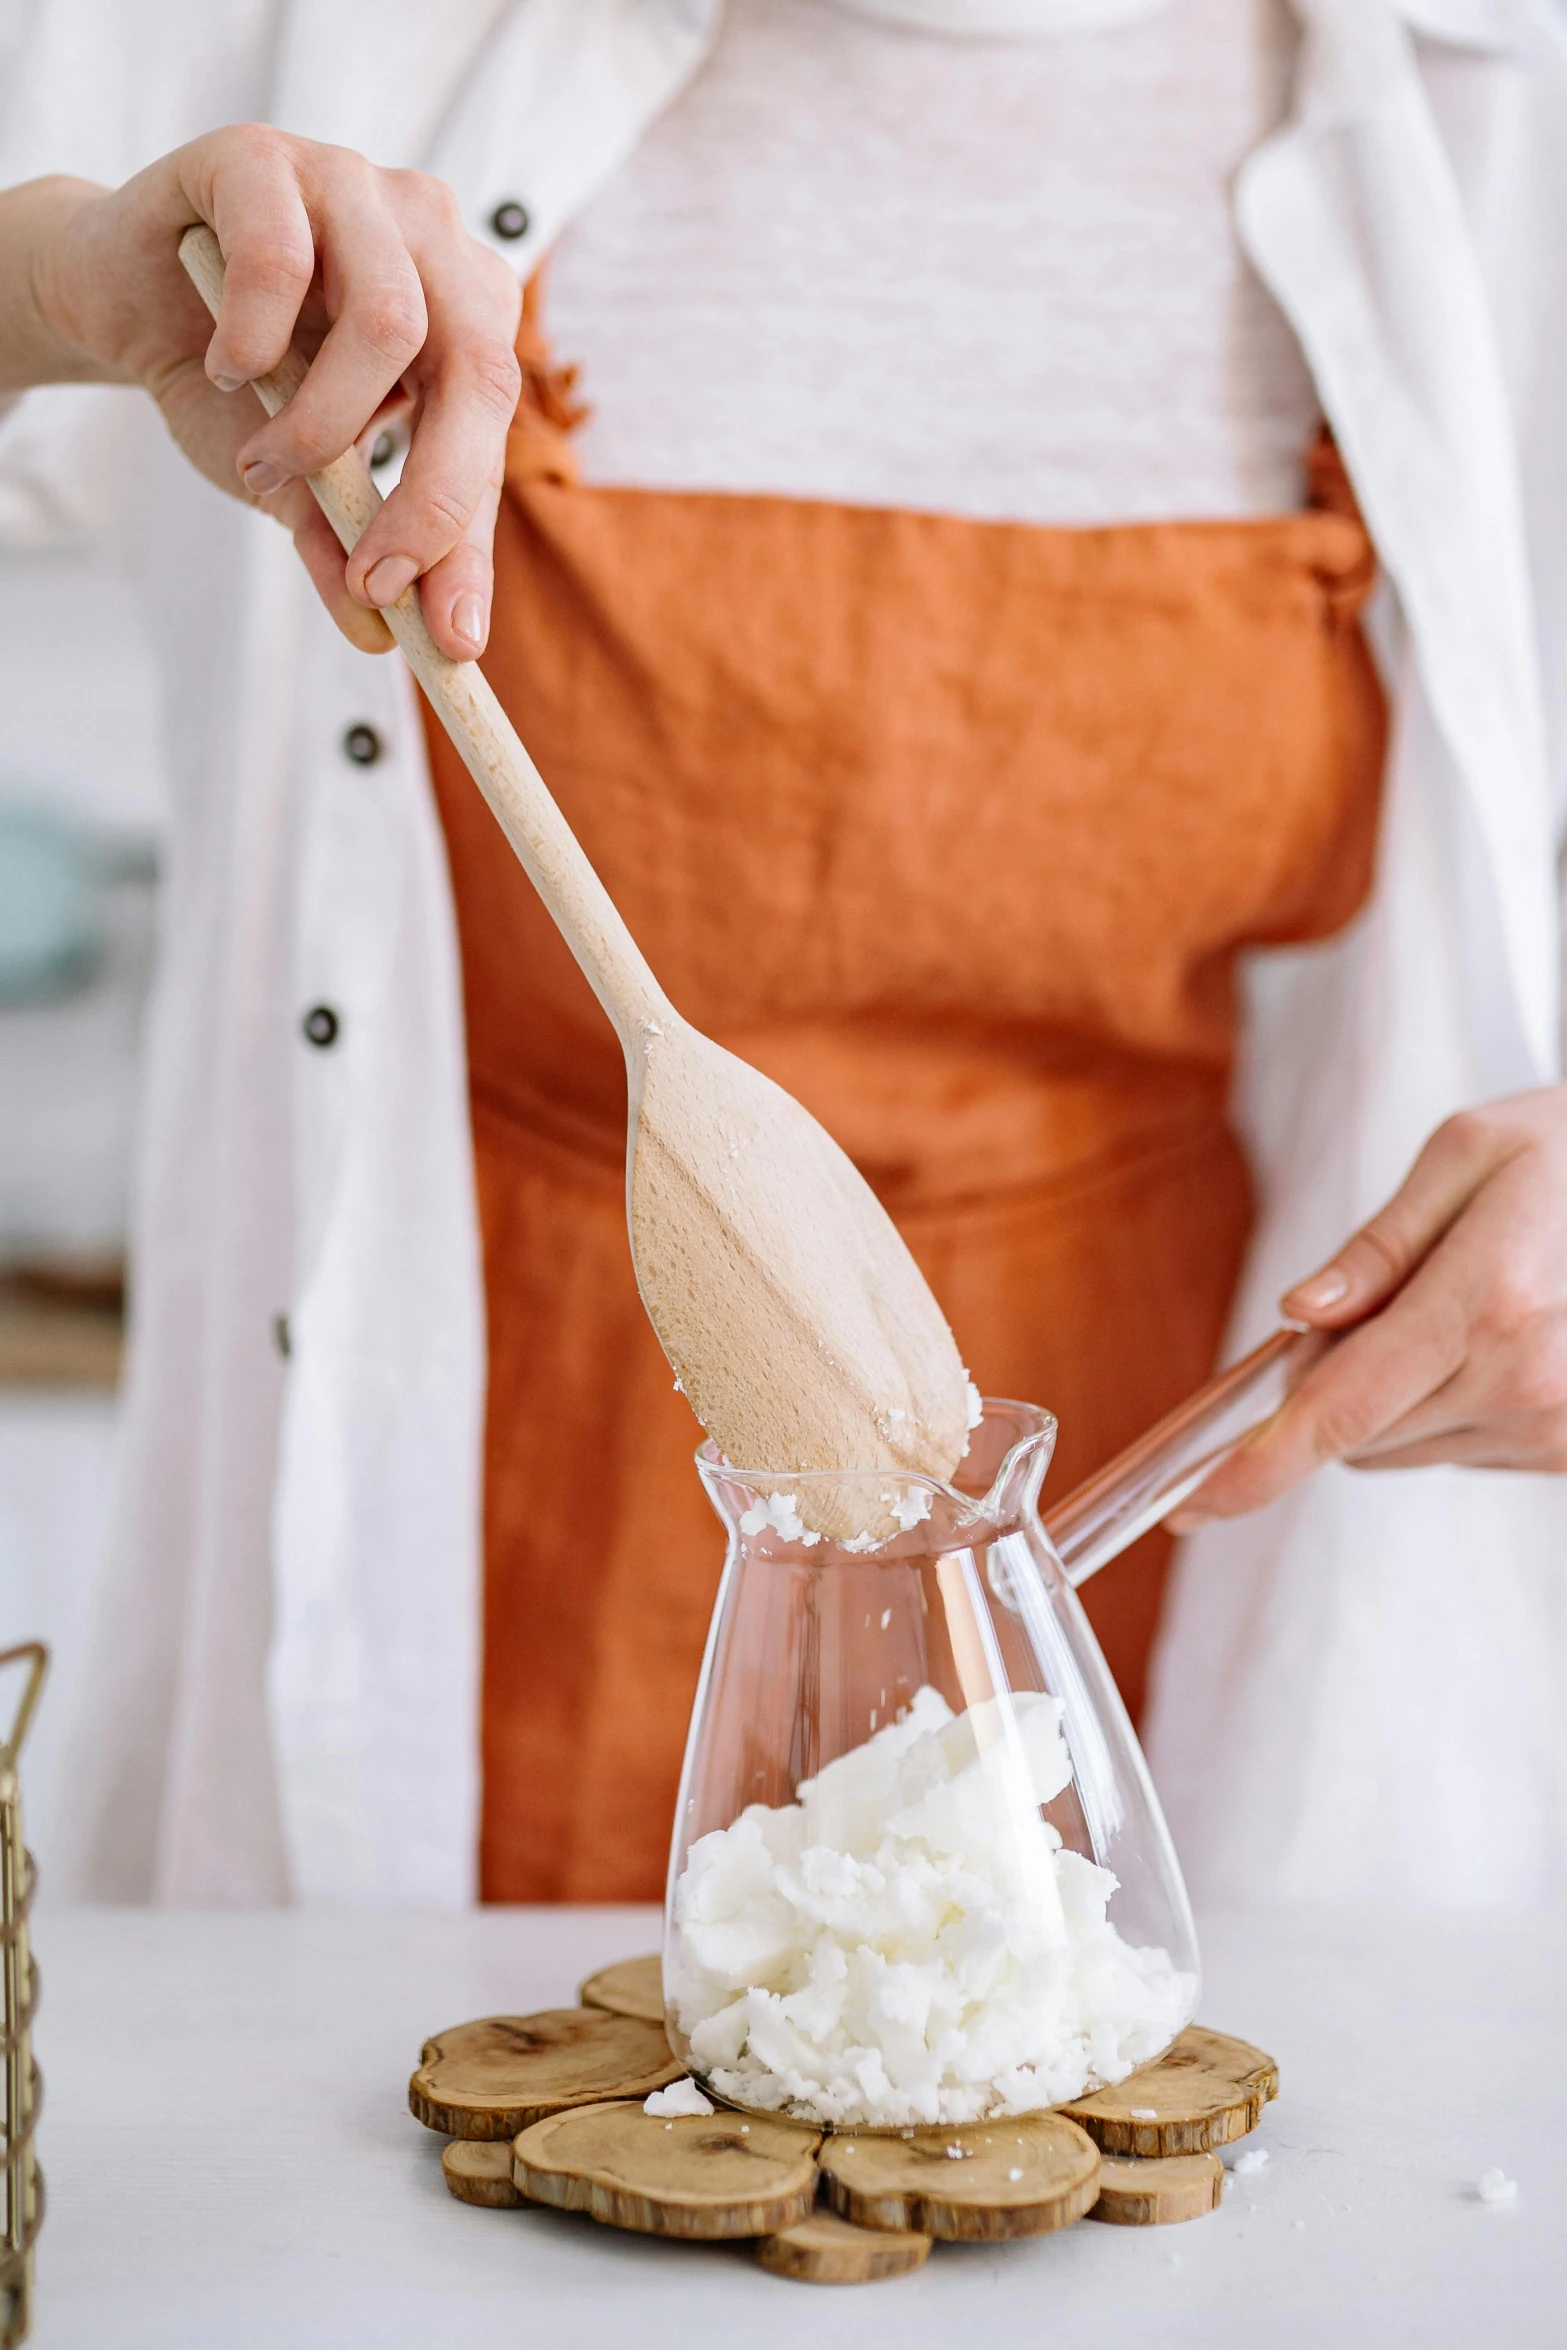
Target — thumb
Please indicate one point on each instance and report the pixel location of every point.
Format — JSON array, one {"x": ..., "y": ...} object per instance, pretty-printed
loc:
[{"x": 1375, "y": 1262}]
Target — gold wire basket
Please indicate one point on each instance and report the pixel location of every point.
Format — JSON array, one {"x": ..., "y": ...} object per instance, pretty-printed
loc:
[{"x": 24, "y": 2185}]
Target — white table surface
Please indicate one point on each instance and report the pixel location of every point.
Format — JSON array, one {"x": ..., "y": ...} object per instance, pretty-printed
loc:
[{"x": 231, "y": 2164}]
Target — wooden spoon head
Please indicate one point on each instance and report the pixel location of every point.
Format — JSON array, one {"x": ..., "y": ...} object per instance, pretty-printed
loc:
[{"x": 799, "y": 1326}]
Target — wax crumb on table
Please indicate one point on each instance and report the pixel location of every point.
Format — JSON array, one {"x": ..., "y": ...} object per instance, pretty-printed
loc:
[
  {"x": 1143, "y": 2113},
  {"x": 681, "y": 2097},
  {"x": 1254, "y": 2159},
  {"x": 887, "y": 1950},
  {"x": 1494, "y": 2186}
]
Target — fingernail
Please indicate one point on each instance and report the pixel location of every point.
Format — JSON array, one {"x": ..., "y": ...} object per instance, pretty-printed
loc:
[
  {"x": 468, "y": 621},
  {"x": 229, "y": 383},
  {"x": 1323, "y": 1289},
  {"x": 262, "y": 475},
  {"x": 386, "y": 580}
]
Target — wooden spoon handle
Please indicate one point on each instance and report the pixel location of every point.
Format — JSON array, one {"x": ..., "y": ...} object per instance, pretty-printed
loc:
[{"x": 460, "y": 696}]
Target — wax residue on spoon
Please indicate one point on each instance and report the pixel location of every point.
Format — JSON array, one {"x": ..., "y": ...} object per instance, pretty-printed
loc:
[{"x": 909, "y": 1942}]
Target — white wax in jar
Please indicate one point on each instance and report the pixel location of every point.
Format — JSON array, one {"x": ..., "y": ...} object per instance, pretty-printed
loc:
[{"x": 910, "y": 1942}]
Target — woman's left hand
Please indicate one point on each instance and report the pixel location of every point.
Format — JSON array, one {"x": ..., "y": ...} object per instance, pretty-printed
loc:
[{"x": 1454, "y": 1304}]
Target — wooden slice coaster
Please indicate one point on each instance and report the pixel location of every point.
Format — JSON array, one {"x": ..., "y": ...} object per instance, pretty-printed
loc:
[
  {"x": 1203, "y": 2091},
  {"x": 702, "y": 2176},
  {"x": 478, "y": 2170},
  {"x": 980, "y": 2183},
  {"x": 634, "y": 1986},
  {"x": 490, "y": 2079},
  {"x": 827, "y": 2250},
  {"x": 1152, "y": 2193}
]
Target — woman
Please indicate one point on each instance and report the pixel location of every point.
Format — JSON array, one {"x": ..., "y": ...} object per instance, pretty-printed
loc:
[{"x": 842, "y": 289}]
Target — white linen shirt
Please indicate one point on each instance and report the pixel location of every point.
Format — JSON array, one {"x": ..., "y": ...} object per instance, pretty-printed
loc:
[{"x": 284, "y": 1696}]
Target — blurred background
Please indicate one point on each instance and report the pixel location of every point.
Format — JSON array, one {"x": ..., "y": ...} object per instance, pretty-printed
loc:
[{"x": 81, "y": 828}]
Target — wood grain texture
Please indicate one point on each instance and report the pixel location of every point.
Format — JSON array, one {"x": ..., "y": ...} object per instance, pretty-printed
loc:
[
  {"x": 796, "y": 1319},
  {"x": 982, "y": 2183},
  {"x": 478, "y": 2170},
  {"x": 1152, "y": 2193},
  {"x": 705, "y": 2178},
  {"x": 491, "y": 2078},
  {"x": 1205, "y": 2090},
  {"x": 633, "y": 1986},
  {"x": 827, "y": 2250}
]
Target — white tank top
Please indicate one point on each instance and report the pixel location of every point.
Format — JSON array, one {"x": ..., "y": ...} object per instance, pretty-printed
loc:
[{"x": 863, "y": 260}]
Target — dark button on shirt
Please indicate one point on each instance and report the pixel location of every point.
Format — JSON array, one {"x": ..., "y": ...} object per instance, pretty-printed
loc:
[{"x": 362, "y": 744}]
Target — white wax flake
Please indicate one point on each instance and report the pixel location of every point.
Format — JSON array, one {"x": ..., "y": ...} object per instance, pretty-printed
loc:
[
  {"x": 911, "y": 1507},
  {"x": 679, "y": 1390},
  {"x": 954, "y": 2153},
  {"x": 897, "y": 1949},
  {"x": 976, "y": 1405},
  {"x": 1014, "y": 2175},
  {"x": 886, "y": 1617},
  {"x": 863, "y": 1542},
  {"x": 681, "y": 2097},
  {"x": 1143, "y": 2113},
  {"x": 1254, "y": 2159},
  {"x": 1494, "y": 2186},
  {"x": 651, "y": 1028},
  {"x": 780, "y": 1511}
]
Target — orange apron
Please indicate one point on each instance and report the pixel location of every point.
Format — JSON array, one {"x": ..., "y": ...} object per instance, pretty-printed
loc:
[{"x": 956, "y": 829}]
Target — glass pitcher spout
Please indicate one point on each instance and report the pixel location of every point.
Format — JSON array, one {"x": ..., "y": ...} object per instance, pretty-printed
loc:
[
  {"x": 997, "y": 1481},
  {"x": 919, "y": 1875}
]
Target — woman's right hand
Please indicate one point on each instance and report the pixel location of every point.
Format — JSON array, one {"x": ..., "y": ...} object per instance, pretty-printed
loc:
[{"x": 370, "y": 271}]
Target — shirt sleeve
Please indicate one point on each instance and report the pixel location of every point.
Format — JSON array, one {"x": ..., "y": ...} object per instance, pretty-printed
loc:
[{"x": 100, "y": 89}]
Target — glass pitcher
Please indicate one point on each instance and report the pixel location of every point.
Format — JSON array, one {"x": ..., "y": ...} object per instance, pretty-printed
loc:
[{"x": 919, "y": 1874}]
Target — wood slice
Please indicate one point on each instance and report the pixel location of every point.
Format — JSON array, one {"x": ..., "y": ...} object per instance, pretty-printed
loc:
[
  {"x": 1203, "y": 2091},
  {"x": 827, "y": 2250},
  {"x": 701, "y": 2176},
  {"x": 478, "y": 2170},
  {"x": 633, "y": 1986},
  {"x": 1154, "y": 2192},
  {"x": 490, "y": 2079},
  {"x": 982, "y": 2182}
]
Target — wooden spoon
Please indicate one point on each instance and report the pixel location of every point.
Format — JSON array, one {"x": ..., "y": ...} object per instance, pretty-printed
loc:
[{"x": 798, "y": 1324}]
